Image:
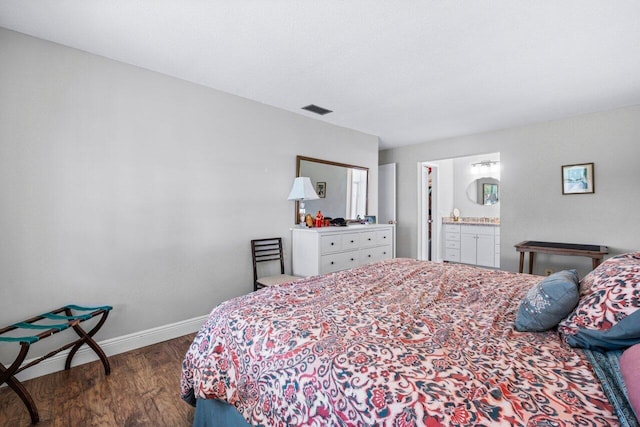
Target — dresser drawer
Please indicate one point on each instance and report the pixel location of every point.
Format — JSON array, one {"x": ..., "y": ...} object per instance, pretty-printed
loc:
[
  {"x": 452, "y": 244},
  {"x": 452, "y": 236},
  {"x": 331, "y": 243},
  {"x": 451, "y": 228},
  {"x": 351, "y": 241},
  {"x": 375, "y": 254},
  {"x": 452, "y": 255},
  {"x": 368, "y": 239},
  {"x": 384, "y": 237},
  {"x": 339, "y": 261},
  {"x": 477, "y": 229}
]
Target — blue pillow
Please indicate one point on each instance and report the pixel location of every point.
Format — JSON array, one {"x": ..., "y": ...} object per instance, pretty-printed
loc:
[
  {"x": 623, "y": 334},
  {"x": 548, "y": 302}
]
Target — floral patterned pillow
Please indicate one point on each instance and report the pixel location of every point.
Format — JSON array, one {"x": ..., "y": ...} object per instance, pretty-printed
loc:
[{"x": 610, "y": 293}]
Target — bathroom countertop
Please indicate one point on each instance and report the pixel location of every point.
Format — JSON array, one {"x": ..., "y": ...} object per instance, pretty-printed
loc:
[{"x": 493, "y": 222}]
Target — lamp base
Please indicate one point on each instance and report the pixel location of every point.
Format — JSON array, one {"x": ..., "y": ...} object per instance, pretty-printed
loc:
[{"x": 301, "y": 214}]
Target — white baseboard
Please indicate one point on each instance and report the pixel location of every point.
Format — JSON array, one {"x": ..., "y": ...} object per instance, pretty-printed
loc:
[{"x": 113, "y": 346}]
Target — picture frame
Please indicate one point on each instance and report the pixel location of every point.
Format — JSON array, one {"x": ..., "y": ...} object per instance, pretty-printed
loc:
[
  {"x": 370, "y": 219},
  {"x": 321, "y": 189},
  {"x": 578, "y": 178},
  {"x": 489, "y": 194}
]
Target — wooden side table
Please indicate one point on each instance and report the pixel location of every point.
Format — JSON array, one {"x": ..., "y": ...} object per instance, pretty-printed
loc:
[{"x": 595, "y": 252}]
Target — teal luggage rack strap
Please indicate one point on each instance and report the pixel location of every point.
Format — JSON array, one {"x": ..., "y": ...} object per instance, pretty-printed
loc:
[
  {"x": 69, "y": 316},
  {"x": 29, "y": 340},
  {"x": 52, "y": 315},
  {"x": 80, "y": 308}
]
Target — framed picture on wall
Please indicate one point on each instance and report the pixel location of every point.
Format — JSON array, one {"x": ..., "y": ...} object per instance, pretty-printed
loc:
[
  {"x": 321, "y": 189},
  {"x": 489, "y": 194},
  {"x": 578, "y": 179},
  {"x": 370, "y": 219}
]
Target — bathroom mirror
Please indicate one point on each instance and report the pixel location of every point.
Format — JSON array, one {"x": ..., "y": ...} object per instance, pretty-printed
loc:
[
  {"x": 484, "y": 191},
  {"x": 342, "y": 188}
]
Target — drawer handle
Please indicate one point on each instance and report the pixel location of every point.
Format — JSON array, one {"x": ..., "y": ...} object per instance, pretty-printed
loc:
[
  {"x": 331, "y": 262},
  {"x": 369, "y": 255},
  {"x": 351, "y": 259},
  {"x": 332, "y": 243},
  {"x": 384, "y": 253},
  {"x": 352, "y": 241},
  {"x": 369, "y": 239},
  {"x": 384, "y": 237}
]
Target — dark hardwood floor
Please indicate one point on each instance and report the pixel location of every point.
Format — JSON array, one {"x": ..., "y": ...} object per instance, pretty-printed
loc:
[{"x": 142, "y": 390}]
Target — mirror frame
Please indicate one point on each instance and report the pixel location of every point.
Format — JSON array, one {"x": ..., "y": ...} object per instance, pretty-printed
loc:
[{"x": 328, "y": 162}]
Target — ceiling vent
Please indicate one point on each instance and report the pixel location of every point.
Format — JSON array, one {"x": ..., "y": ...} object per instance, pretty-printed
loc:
[{"x": 317, "y": 110}]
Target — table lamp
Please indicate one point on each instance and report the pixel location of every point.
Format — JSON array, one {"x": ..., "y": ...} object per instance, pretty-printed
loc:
[{"x": 302, "y": 190}]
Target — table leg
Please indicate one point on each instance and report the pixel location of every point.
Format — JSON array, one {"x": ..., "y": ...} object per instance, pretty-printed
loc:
[
  {"x": 531, "y": 254},
  {"x": 595, "y": 262},
  {"x": 521, "y": 262}
]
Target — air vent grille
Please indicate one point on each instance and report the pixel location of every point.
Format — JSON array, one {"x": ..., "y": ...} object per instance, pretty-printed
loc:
[{"x": 318, "y": 110}]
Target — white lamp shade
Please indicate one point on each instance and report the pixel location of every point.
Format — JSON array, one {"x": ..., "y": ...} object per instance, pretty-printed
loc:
[{"x": 302, "y": 189}]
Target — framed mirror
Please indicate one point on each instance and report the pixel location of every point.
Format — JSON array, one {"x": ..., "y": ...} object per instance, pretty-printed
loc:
[
  {"x": 484, "y": 191},
  {"x": 342, "y": 188}
]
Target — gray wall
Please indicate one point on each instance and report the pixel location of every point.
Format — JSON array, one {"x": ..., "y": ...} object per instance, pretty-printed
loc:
[
  {"x": 532, "y": 206},
  {"x": 126, "y": 187}
]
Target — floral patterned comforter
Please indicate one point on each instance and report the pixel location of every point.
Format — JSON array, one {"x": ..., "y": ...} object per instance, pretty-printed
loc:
[{"x": 396, "y": 343}]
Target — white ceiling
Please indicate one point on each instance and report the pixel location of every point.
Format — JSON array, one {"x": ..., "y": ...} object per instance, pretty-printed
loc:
[{"x": 406, "y": 71}]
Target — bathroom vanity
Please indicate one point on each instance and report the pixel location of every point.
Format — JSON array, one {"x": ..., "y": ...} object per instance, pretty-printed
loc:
[{"x": 472, "y": 241}]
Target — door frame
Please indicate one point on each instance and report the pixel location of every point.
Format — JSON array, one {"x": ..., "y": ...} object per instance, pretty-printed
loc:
[{"x": 423, "y": 212}]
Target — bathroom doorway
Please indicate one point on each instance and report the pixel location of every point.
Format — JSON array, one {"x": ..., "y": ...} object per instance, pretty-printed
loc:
[{"x": 452, "y": 183}]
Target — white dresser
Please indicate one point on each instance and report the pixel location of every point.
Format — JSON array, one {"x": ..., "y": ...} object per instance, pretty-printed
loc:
[
  {"x": 477, "y": 244},
  {"x": 327, "y": 249}
]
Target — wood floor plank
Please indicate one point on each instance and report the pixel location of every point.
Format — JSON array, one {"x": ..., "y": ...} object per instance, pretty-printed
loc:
[{"x": 142, "y": 390}]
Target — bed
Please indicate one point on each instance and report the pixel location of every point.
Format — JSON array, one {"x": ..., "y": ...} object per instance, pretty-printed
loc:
[{"x": 395, "y": 343}]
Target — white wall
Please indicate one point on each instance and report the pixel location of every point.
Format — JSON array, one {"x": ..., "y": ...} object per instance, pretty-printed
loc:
[
  {"x": 532, "y": 206},
  {"x": 126, "y": 187}
]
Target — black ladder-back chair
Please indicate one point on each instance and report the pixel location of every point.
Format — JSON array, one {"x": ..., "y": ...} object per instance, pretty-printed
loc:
[{"x": 268, "y": 250}]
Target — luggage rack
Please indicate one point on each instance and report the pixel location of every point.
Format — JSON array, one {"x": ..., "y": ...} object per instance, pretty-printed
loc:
[{"x": 63, "y": 318}]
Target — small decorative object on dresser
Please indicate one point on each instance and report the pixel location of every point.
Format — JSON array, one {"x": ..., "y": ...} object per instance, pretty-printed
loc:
[
  {"x": 370, "y": 219},
  {"x": 577, "y": 179}
]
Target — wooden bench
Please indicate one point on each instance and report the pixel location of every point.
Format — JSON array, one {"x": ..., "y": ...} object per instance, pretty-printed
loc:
[
  {"x": 595, "y": 252},
  {"x": 50, "y": 323}
]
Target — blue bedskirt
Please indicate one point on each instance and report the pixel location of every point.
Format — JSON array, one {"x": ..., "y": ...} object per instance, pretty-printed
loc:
[{"x": 215, "y": 413}]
